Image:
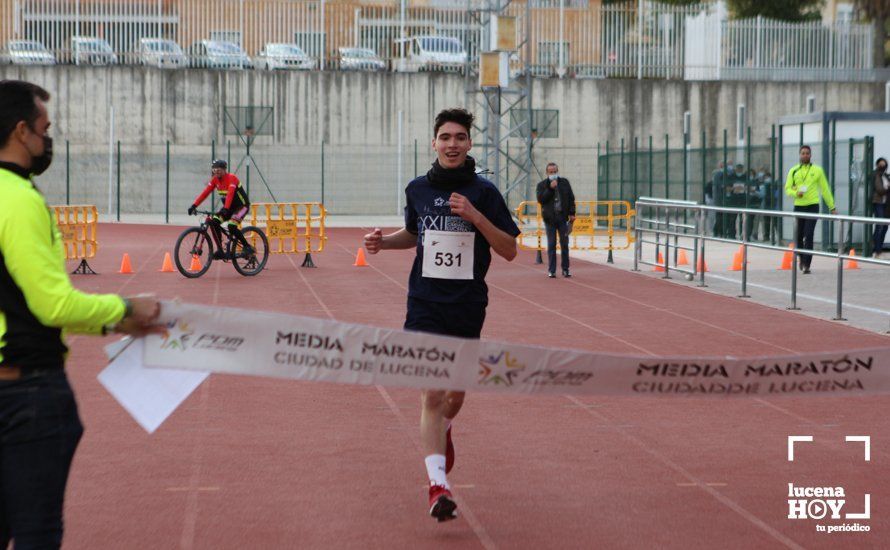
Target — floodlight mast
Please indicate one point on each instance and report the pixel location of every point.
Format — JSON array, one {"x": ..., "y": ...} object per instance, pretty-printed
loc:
[{"x": 505, "y": 100}]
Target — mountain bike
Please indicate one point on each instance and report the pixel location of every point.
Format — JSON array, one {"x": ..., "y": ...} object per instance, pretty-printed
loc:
[{"x": 195, "y": 249}]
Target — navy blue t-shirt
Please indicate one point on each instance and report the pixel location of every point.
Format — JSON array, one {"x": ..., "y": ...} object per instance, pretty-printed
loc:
[{"x": 427, "y": 208}]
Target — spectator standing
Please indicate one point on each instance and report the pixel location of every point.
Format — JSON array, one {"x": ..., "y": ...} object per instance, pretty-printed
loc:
[{"x": 558, "y": 210}]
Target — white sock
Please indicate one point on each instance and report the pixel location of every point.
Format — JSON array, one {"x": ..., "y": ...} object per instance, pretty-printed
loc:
[{"x": 435, "y": 468}]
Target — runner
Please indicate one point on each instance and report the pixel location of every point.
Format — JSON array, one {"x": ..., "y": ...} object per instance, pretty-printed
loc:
[{"x": 454, "y": 218}]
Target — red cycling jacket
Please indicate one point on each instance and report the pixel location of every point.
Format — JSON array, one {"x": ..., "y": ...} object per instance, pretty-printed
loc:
[{"x": 228, "y": 186}]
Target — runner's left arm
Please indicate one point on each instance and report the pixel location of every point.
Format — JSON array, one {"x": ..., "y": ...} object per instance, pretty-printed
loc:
[
  {"x": 502, "y": 242},
  {"x": 826, "y": 192}
]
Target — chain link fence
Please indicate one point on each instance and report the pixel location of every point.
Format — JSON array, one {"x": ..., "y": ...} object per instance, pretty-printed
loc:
[{"x": 164, "y": 179}]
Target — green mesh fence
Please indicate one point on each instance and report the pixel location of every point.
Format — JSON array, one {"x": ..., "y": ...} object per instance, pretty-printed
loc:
[{"x": 747, "y": 176}]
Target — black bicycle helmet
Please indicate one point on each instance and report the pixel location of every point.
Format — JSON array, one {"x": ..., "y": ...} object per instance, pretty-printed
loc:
[{"x": 219, "y": 163}]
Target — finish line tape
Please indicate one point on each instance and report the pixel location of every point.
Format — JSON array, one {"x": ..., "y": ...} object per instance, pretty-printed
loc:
[{"x": 256, "y": 343}]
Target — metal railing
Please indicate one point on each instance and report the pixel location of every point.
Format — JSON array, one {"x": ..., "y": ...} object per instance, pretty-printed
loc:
[
  {"x": 672, "y": 220},
  {"x": 569, "y": 38},
  {"x": 767, "y": 49}
]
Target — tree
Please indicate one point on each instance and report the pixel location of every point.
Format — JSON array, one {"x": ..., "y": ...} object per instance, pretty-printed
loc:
[
  {"x": 786, "y": 10},
  {"x": 878, "y": 12}
]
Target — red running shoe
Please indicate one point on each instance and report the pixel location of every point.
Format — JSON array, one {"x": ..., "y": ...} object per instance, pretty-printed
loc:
[
  {"x": 442, "y": 505},
  {"x": 449, "y": 451}
]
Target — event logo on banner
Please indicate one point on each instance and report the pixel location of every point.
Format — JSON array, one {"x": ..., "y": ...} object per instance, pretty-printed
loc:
[
  {"x": 177, "y": 336},
  {"x": 530, "y": 369},
  {"x": 237, "y": 341},
  {"x": 503, "y": 368},
  {"x": 180, "y": 336}
]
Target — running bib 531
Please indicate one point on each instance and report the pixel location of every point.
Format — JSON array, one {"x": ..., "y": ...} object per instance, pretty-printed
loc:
[{"x": 448, "y": 254}]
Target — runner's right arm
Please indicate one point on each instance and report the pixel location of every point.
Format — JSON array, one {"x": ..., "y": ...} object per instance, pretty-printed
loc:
[
  {"x": 376, "y": 241},
  {"x": 790, "y": 189}
]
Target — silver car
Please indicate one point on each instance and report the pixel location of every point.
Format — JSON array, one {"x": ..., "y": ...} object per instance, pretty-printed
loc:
[
  {"x": 26, "y": 52},
  {"x": 283, "y": 56},
  {"x": 218, "y": 54},
  {"x": 89, "y": 50},
  {"x": 161, "y": 53},
  {"x": 360, "y": 59}
]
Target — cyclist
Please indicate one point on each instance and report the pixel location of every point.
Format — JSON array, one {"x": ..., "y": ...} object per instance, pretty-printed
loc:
[{"x": 235, "y": 205}]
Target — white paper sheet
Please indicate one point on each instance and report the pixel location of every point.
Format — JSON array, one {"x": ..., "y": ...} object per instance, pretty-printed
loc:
[{"x": 149, "y": 395}]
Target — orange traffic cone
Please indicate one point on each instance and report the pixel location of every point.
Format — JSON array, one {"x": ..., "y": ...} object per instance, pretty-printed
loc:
[
  {"x": 360, "y": 258},
  {"x": 126, "y": 268},
  {"x": 168, "y": 264},
  {"x": 681, "y": 258},
  {"x": 702, "y": 265},
  {"x": 788, "y": 259},
  {"x": 196, "y": 263},
  {"x": 661, "y": 262},
  {"x": 851, "y": 264},
  {"x": 736, "y": 261}
]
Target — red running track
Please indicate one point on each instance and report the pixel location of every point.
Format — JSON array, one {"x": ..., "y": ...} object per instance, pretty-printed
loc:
[{"x": 260, "y": 463}]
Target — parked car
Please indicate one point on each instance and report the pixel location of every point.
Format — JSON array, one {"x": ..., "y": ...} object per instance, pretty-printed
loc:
[
  {"x": 161, "y": 53},
  {"x": 26, "y": 52},
  {"x": 218, "y": 54},
  {"x": 89, "y": 50},
  {"x": 283, "y": 56},
  {"x": 360, "y": 59},
  {"x": 430, "y": 53}
]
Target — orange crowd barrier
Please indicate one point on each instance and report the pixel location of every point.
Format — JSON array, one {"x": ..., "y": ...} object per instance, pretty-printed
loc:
[
  {"x": 78, "y": 226},
  {"x": 599, "y": 225},
  {"x": 291, "y": 227}
]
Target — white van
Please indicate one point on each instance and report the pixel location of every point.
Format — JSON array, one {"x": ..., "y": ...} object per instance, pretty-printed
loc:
[
  {"x": 429, "y": 53},
  {"x": 89, "y": 50}
]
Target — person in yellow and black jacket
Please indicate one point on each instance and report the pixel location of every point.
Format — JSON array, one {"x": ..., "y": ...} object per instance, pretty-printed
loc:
[
  {"x": 39, "y": 424},
  {"x": 805, "y": 183}
]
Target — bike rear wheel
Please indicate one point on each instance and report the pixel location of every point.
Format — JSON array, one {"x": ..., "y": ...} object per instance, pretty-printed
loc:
[
  {"x": 251, "y": 262},
  {"x": 193, "y": 252}
]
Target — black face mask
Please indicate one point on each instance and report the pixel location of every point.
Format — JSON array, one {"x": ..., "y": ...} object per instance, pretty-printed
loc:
[{"x": 40, "y": 163}]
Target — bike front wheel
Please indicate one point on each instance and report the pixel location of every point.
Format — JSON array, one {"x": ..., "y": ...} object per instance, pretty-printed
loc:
[
  {"x": 193, "y": 252},
  {"x": 252, "y": 260}
]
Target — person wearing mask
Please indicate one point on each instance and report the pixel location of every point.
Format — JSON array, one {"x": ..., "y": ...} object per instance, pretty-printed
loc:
[
  {"x": 558, "y": 211},
  {"x": 880, "y": 203},
  {"x": 806, "y": 182},
  {"x": 38, "y": 413}
]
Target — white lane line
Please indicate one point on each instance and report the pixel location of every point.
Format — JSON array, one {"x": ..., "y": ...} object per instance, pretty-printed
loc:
[
  {"x": 723, "y": 499},
  {"x": 690, "y": 318},
  {"x": 191, "y": 513}
]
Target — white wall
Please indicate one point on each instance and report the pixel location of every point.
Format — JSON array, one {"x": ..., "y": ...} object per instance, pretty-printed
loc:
[{"x": 355, "y": 115}]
